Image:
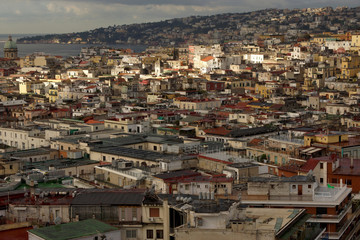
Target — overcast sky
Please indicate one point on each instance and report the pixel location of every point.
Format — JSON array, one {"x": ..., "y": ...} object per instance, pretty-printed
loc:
[{"x": 61, "y": 16}]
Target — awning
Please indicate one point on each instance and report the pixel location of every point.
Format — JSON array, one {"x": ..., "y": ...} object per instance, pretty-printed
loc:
[
  {"x": 307, "y": 149},
  {"x": 314, "y": 150}
]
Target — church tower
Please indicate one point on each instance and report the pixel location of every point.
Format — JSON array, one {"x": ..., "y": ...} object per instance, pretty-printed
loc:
[{"x": 10, "y": 49}]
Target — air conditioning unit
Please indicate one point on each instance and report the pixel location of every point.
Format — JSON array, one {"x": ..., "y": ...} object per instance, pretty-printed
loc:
[{"x": 151, "y": 219}]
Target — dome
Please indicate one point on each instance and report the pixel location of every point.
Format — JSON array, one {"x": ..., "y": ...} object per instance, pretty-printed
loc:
[{"x": 10, "y": 44}]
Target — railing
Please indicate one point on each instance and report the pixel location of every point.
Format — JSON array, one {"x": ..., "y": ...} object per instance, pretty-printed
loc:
[
  {"x": 325, "y": 193},
  {"x": 285, "y": 138},
  {"x": 345, "y": 226},
  {"x": 331, "y": 216}
]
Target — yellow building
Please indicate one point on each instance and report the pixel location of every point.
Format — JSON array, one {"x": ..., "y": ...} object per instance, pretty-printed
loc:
[
  {"x": 325, "y": 138},
  {"x": 355, "y": 40},
  {"x": 329, "y": 95},
  {"x": 96, "y": 59},
  {"x": 320, "y": 39},
  {"x": 53, "y": 95},
  {"x": 350, "y": 66},
  {"x": 264, "y": 91}
]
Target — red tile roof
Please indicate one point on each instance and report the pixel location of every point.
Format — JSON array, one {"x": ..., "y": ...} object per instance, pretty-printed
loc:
[
  {"x": 91, "y": 121},
  {"x": 208, "y": 58},
  {"x": 309, "y": 165},
  {"x": 217, "y": 131},
  {"x": 214, "y": 159},
  {"x": 255, "y": 141},
  {"x": 346, "y": 169}
]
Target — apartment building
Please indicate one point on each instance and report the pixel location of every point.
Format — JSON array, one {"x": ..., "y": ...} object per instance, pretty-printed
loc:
[
  {"x": 329, "y": 205},
  {"x": 23, "y": 137}
]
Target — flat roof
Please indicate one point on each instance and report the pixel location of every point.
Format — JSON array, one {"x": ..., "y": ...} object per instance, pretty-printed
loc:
[
  {"x": 140, "y": 154},
  {"x": 109, "y": 198},
  {"x": 59, "y": 163},
  {"x": 73, "y": 230}
]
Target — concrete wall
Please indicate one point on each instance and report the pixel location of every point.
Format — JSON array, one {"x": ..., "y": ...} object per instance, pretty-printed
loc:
[
  {"x": 42, "y": 213},
  {"x": 214, "y": 234}
]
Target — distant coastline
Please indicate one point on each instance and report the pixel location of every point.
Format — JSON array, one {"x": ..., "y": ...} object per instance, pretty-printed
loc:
[{"x": 65, "y": 50}]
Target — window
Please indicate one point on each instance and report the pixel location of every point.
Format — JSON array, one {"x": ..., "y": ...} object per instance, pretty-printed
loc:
[
  {"x": 321, "y": 180},
  {"x": 348, "y": 182},
  {"x": 123, "y": 214},
  {"x": 154, "y": 212},
  {"x": 104, "y": 158},
  {"x": 321, "y": 210},
  {"x": 155, "y": 148},
  {"x": 309, "y": 186},
  {"x": 134, "y": 214},
  {"x": 321, "y": 165},
  {"x": 187, "y": 187},
  {"x": 149, "y": 234},
  {"x": 131, "y": 233},
  {"x": 159, "y": 234},
  {"x": 293, "y": 186},
  {"x": 11, "y": 166}
]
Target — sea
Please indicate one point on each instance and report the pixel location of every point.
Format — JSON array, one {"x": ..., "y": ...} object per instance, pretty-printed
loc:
[{"x": 64, "y": 50}]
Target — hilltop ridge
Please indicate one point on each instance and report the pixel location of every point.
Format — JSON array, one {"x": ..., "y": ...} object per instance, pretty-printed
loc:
[{"x": 217, "y": 28}]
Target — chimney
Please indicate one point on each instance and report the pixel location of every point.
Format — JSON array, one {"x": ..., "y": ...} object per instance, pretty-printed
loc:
[
  {"x": 352, "y": 162},
  {"x": 341, "y": 183},
  {"x": 32, "y": 189}
]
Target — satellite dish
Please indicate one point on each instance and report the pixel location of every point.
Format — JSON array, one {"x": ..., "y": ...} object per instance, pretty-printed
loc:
[{"x": 57, "y": 221}]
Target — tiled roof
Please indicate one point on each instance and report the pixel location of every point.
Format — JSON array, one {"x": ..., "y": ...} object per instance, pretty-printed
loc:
[
  {"x": 309, "y": 165},
  {"x": 208, "y": 58},
  {"x": 217, "y": 131}
]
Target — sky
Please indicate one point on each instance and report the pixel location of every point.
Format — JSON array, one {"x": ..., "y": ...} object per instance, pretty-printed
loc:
[{"x": 66, "y": 16}]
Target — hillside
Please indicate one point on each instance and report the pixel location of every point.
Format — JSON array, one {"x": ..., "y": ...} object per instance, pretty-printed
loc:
[{"x": 216, "y": 28}]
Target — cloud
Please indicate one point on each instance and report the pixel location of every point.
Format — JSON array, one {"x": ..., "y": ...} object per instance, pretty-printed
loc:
[
  {"x": 77, "y": 9},
  {"x": 59, "y": 16}
]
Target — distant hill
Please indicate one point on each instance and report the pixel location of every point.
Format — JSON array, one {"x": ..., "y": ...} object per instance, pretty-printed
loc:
[{"x": 216, "y": 28}]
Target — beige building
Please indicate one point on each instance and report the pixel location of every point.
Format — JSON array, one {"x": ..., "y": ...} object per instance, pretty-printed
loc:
[
  {"x": 134, "y": 124},
  {"x": 122, "y": 174},
  {"x": 203, "y": 104},
  {"x": 23, "y": 138},
  {"x": 244, "y": 223},
  {"x": 355, "y": 40}
]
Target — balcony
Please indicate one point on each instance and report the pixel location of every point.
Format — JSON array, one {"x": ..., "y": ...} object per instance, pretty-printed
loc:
[
  {"x": 322, "y": 195},
  {"x": 350, "y": 225},
  {"x": 328, "y": 218}
]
